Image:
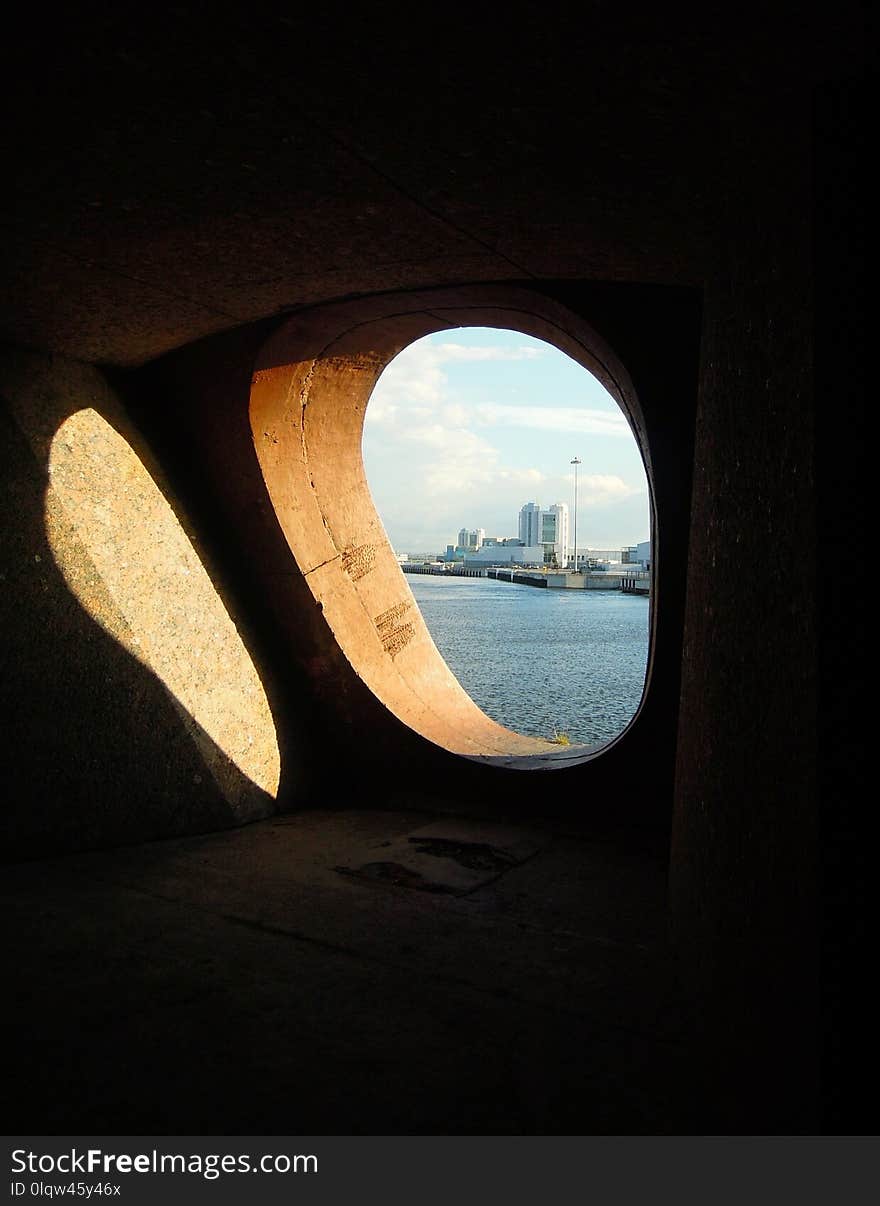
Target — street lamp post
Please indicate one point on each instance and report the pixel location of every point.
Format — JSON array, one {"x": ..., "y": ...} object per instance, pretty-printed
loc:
[{"x": 576, "y": 461}]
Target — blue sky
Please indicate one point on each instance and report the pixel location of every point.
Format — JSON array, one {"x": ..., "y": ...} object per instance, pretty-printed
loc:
[{"x": 466, "y": 425}]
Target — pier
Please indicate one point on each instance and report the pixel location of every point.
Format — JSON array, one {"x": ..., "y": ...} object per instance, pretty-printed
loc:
[
  {"x": 444, "y": 571},
  {"x": 631, "y": 582}
]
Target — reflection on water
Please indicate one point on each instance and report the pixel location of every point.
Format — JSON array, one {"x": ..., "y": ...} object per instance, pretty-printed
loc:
[{"x": 541, "y": 661}]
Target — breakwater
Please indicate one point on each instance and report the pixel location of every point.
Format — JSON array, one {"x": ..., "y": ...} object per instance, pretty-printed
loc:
[
  {"x": 444, "y": 571},
  {"x": 631, "y": 582},
  {"x": 523, "y": 577}
]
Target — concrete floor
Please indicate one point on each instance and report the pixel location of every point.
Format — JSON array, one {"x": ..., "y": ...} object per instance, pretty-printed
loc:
[{"x": 239, "y": 983}]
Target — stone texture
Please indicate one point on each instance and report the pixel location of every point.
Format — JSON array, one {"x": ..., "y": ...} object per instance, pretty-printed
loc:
[
  {"x": 170, "y": 180},
  {"x": 94, "y": 546},
  {"x": 244, "y": 984}
]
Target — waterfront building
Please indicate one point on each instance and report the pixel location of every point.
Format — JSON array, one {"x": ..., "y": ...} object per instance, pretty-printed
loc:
[
  {"x": 546, "y": 528},
  {"x": 470, "y": 540},
  {"x": 554, "y": 524},
  {"x": 543, "y": 541},
  {"x": 530, "y": 523},
  {"x": 507, "y": 552}
]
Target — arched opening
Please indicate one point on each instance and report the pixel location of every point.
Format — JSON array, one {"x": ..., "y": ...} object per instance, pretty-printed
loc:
[
  {"x": 310, "y": 390},
  {"x": 465, "y": 429}
]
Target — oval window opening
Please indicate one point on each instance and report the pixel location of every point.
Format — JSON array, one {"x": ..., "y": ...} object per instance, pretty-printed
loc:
[{"x": 514, "y": 495}]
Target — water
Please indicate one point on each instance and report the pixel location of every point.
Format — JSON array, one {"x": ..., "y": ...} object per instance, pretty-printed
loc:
[{"x": 541, "y": 661}]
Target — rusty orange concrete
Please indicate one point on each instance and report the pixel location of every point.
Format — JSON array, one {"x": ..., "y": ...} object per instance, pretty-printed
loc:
[{"x": 309, "y": 395}]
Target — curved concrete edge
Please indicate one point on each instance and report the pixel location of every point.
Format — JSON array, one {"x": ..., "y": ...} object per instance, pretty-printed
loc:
[{"x": 309, "y": 393}]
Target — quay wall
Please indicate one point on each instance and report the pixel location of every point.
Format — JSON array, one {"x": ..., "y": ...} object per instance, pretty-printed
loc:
[{"x": 630, "y": 583}]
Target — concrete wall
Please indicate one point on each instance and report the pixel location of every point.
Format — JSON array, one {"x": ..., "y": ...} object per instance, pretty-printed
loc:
[
  {"x": 194, "y": 407},
  {"x": 744, "y": 852},
  {"x": 664, "y": 182},
  {"x": 131, "y": 706}
]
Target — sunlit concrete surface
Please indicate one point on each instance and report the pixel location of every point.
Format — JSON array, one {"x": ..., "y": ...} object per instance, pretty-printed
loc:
[
  {"x": 309, "y": 395},
  {"x": 104, "y": 511},
  {"x": 99, "y": 546}
]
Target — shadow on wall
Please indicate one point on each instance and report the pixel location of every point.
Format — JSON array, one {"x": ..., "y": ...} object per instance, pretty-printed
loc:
[
  {"x": 132, "y": 709},
  {"x": 265, "y": 452}
]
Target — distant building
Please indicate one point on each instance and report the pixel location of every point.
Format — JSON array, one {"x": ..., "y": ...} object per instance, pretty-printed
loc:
[
  {"x": 471, "y": 540},
  {"x": 507, "y": 552},
  {"x": 554, "y": 534},
  {"x": 530, "y": 523},
  {"x": 636, "y": 556},
  {"x": 543, "y": 540},
  {"x": 546, "y": 528}
]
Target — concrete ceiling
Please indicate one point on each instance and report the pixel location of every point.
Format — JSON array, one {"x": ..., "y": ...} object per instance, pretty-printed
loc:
[{"x": 170, "y": 179}]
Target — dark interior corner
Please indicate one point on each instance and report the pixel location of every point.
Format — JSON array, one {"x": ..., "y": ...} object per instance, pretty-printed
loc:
[{"x": 662, "y": 940}]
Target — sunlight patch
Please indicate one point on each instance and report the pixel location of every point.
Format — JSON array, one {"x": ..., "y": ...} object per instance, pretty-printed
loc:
[{"x": 125, "y": 556}]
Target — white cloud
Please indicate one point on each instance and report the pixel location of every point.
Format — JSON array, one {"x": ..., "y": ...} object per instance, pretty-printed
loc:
[
  {"x": 526, "y": 477},
  {"x": 458, "y": 352},
  {"x": 412, "y": 377},
  {"x": 441, "y": 454},
  {"x": 554, "y": 418},
  {"x": 604, "y": 489},
  {"x": 458, "y": 442},
  {"x": 415, "y": 376},
  {"x": 455, "y": 415}
]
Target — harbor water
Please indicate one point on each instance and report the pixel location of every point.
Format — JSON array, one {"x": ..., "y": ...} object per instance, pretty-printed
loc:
[{"x": 541, "y": 662}]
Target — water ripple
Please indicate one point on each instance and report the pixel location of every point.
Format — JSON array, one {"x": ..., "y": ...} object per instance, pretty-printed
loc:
[{"x": 541, "y": 661}]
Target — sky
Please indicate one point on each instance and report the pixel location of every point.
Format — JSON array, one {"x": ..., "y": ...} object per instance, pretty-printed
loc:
[{"x": 467, "y": 425}]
